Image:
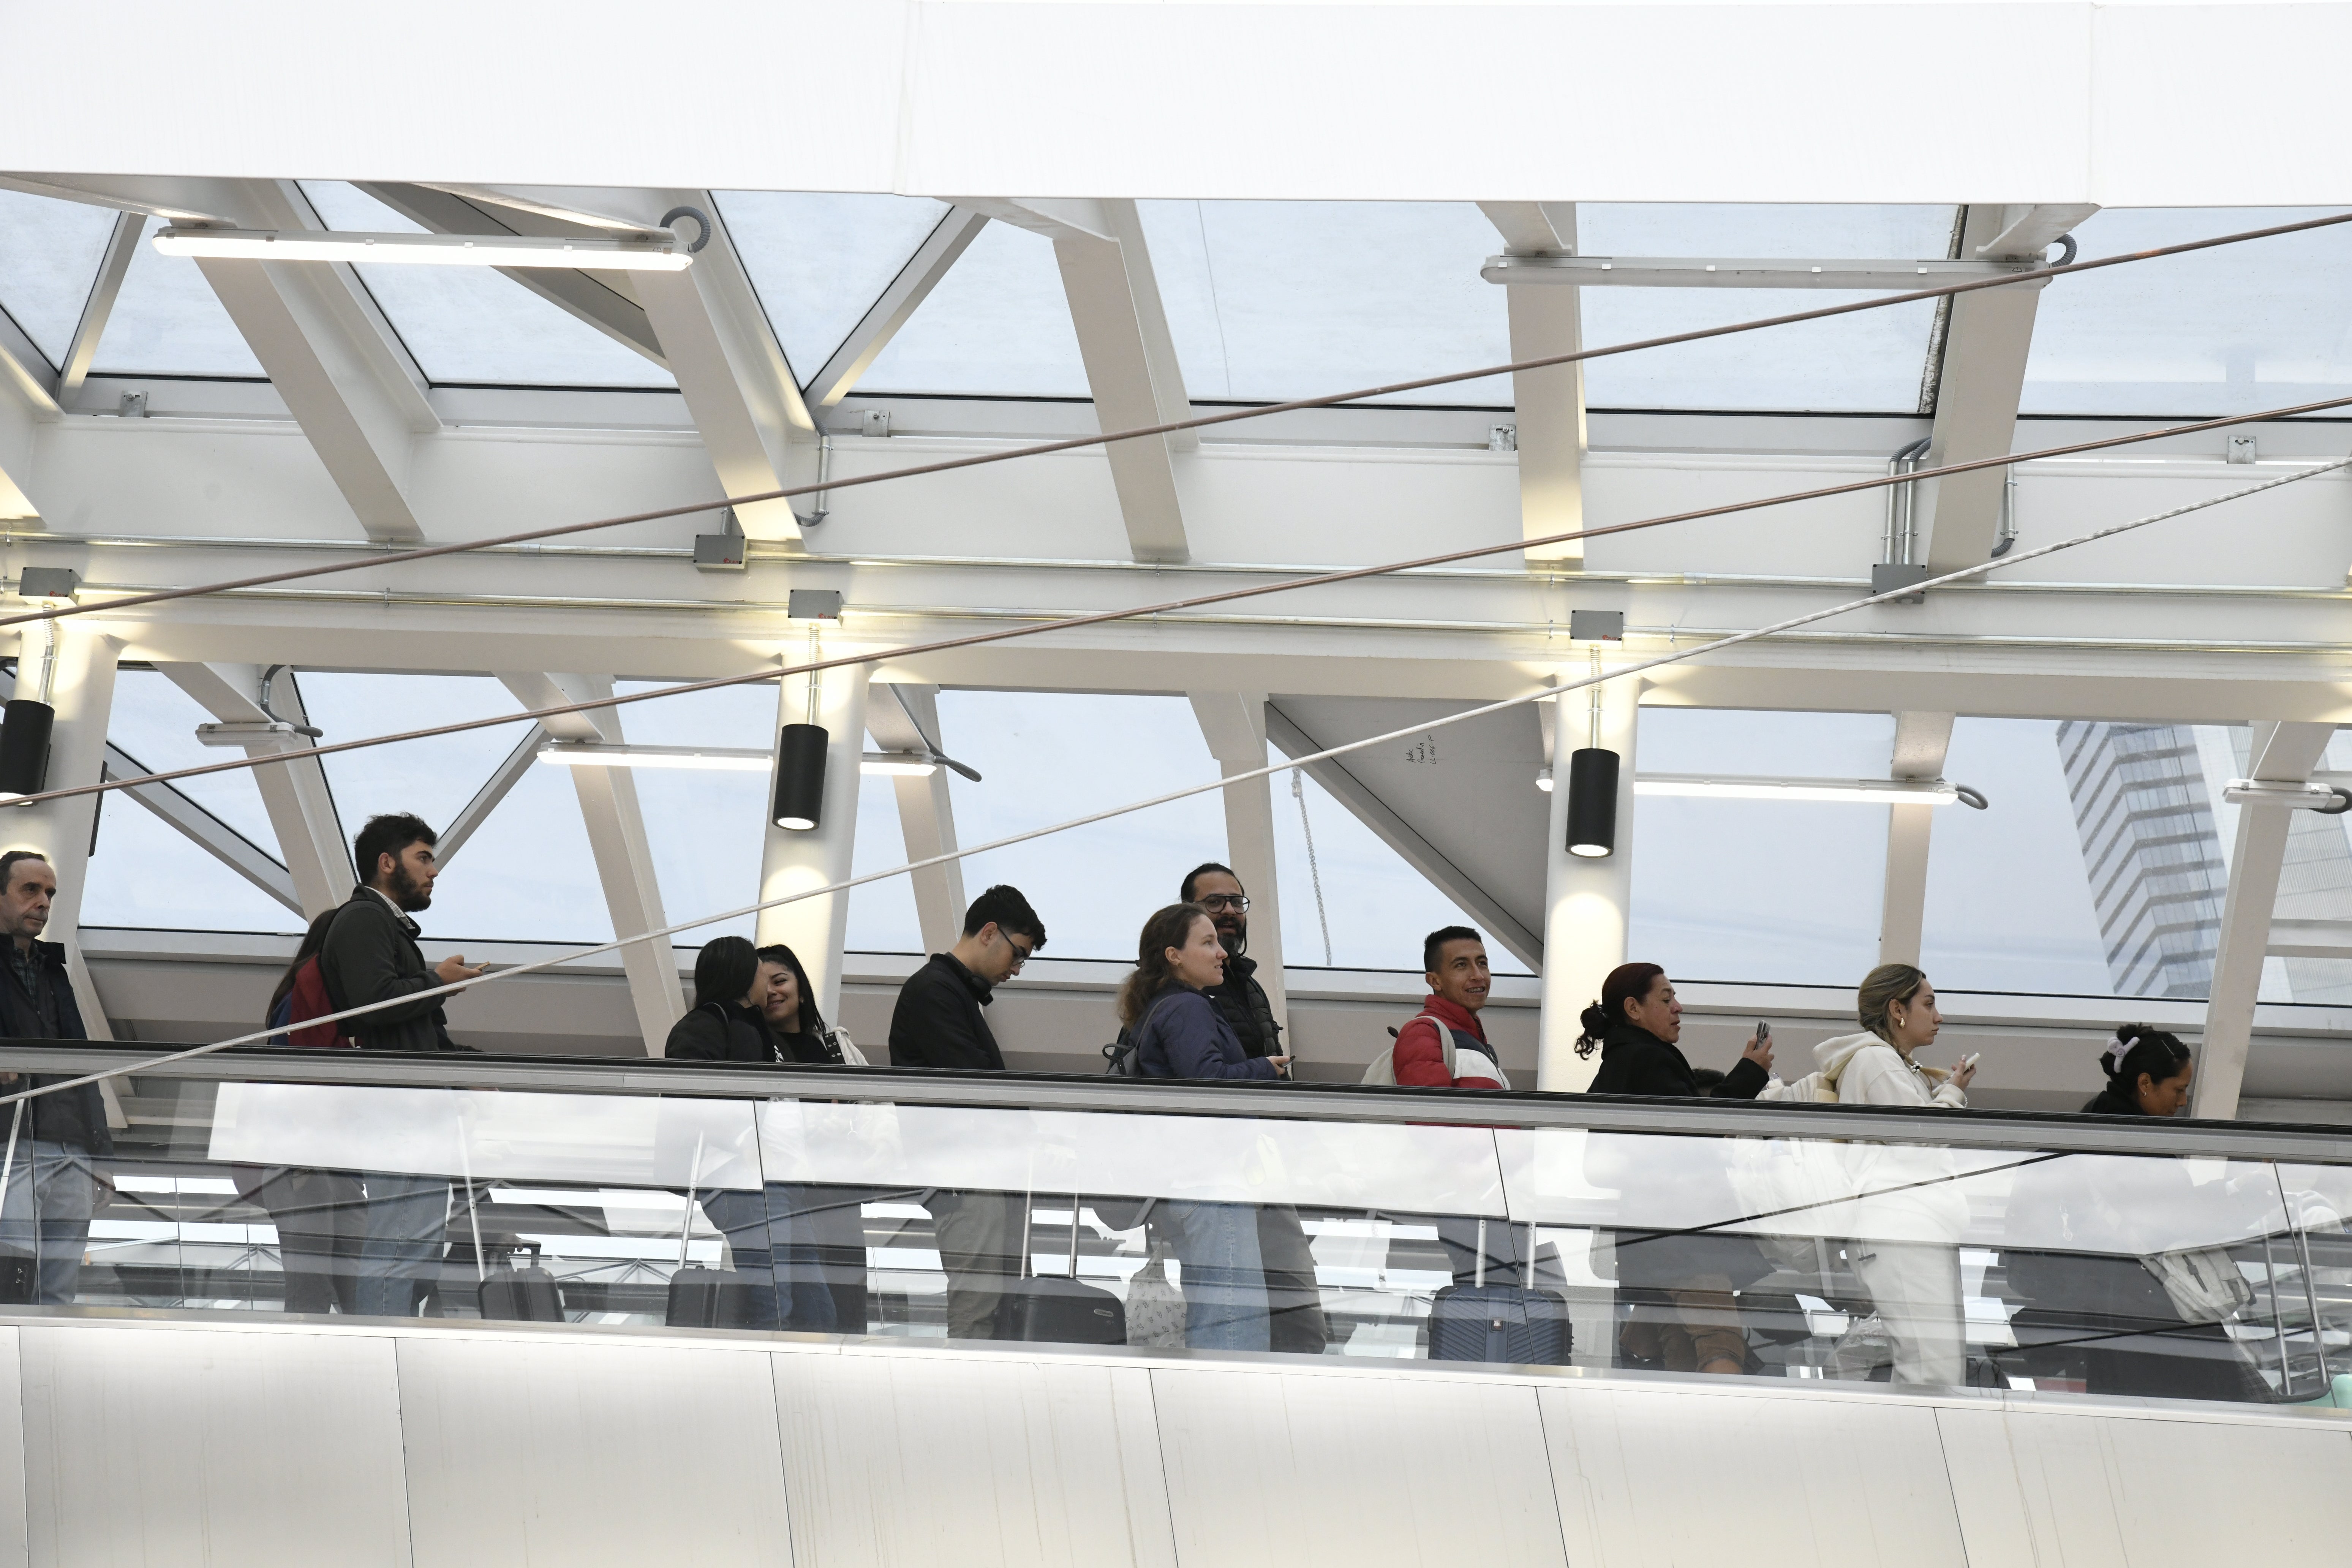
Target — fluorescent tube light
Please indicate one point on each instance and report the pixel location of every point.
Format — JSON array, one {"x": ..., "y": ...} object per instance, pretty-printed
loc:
[
  {"x": 424, "y": 249},
  {"x": 1884, "y": 792},
  {"x": 2327, "y": 799},
  {"x": 596, "y": 754}
]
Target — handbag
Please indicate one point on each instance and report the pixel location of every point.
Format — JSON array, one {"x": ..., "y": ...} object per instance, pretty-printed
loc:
[
  {"x": 1155, "y": 1307},
  {"x": 2203, "y": 1283}
]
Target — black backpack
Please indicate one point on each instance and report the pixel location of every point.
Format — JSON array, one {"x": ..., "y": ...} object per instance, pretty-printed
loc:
[{"x": 1119, "y": 1055}]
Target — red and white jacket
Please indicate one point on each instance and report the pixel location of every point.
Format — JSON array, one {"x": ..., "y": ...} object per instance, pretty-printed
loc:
[{"x": 1420, "y": 1051}]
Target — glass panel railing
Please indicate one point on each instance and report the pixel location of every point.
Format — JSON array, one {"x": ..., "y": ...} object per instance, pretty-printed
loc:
[{"x": 1949, "y": 1251}]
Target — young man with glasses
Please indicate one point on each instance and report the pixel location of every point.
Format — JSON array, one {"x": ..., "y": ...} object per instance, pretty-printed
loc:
[{"x": 938, "y": 1023}]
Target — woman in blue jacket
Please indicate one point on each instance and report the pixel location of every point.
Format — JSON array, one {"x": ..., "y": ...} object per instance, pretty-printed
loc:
[{"x": 1179, "y": 1033}]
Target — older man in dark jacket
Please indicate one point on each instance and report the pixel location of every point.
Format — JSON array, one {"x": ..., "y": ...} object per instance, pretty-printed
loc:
[
  {"x": 1293, "y": 1298},
  {"x": 371, "y": 955},
  {"x": 52, "y": 1180}
]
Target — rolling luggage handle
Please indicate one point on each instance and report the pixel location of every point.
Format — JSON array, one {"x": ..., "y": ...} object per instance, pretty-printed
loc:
[
  {"x": 1478, "y": 1269},
  {"x": 693, "y": 1183}
]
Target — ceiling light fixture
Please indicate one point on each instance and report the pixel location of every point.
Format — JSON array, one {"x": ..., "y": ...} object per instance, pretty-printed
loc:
[
  {"x": 596, "y": 755},
  {"x": 424, "y": 249},
  {"x": 800, "y": 777},
  {"x": 1882, "y": 791}
]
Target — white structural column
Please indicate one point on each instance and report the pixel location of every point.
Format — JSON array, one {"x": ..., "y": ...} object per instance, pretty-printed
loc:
[
  {"x": 1546, "y": 320},
  {"x": 1588, "y": 903},
  {"x": 81, "y": 691},
  {"x": 1129, "y": 356},
  {"x": 1921, "y": 740},
  {"x": 617, "y": 836},
  {"x": 25, "y": 399},
  {"x": 1234, "y": 723},
  {"x": 1985, "y": 342},
  {"x": 906, "y": 718},
  {"x": 350, "y": 389},
  {"x": 2285, "y": 754},
  {"x": 301, "y": 810},
  {"x": 815, "y": 929},
  {"x": 714, "y": 336}
]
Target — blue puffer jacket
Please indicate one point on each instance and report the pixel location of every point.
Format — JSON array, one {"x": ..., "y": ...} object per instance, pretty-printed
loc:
[{"x": 1184, "y": 1036}]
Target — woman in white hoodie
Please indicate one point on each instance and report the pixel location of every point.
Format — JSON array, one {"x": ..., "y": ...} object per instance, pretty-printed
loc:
[{"x": 1907, "y": 1255}]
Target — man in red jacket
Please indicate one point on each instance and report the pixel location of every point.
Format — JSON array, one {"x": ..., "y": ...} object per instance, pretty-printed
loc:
[{"x": 1455, "y": 958}]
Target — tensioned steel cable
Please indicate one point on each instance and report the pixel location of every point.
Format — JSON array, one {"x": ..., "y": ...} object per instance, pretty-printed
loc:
[
  {"x": 1637, "y": 668},
  {"x": 1195, "y": 422},
  {"x": 1097, "y": 617}
]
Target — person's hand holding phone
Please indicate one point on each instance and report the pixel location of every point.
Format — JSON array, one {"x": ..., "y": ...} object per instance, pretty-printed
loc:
[
  {"x": 1281, "y": 1066},
  {"x": 453, "y": 969},
  {"x": 1760, "y": 1048},
  {"x": 1964, "y": 1071}
]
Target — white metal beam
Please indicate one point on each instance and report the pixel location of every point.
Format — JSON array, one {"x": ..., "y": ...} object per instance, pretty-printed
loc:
[
  {"x": 1921, "y": 741},
  {"x": 501, "y": 781},
  {"x": 205, "y": 831},
  {"x": 2281, "y": 754},
  {"x": 1988, "y": 337},
  {"x": 1129, "y": 356},
  {"x": 715, "y": 337},
  {"x": 114, "y": 265},
  {"x": 605, "y": 299},
  {"x": 1740, "y": 272},
  {"x": 1398, "y": 835},
  {"x": 906, "y": 718},
  {"x": 616, "y": 836},
  {"x": 1233, "y": 724},
  {"x": 1549, "y": 401},
  {"x": 899, "y": 301},
  {"x": 27, "y": 396},
  {"x": 301, "y": 808}
]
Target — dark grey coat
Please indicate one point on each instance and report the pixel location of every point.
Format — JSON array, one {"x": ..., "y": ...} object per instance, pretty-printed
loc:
[{"x": 370, "y": 954}]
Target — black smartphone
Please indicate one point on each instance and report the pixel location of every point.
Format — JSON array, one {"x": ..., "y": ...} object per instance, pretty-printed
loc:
[{"x": 1763, "y": 1030}]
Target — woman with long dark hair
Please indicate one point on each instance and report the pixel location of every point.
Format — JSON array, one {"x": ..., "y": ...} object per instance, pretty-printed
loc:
[
  {"x": 1179, "y": 1033},
  {"x": 728, "y": 1023},
  {"x": 1680, "y": 1287}
]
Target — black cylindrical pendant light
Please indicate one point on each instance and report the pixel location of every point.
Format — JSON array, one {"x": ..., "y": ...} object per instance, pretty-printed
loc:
[
  {"x": 1592, "y": 803},
  {"x": 800, "y": 777},
  {"x": 24, "y": 747}
]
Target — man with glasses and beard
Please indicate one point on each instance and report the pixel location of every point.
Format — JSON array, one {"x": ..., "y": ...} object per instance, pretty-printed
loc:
[
  {"x": 371, "y": 955},
  {"x": 1293, "y": 1300}
]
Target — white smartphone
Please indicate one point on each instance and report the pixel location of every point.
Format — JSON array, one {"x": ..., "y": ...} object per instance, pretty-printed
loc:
[{"x": 1970, "y": 1059}]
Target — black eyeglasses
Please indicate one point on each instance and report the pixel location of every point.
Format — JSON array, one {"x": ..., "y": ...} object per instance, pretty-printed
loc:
[
  {"x": 1237, "y": 902},
  {"x": 1020, "y": 955}
]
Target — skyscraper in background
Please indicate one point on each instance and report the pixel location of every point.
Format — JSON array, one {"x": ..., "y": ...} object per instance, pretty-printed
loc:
[
  {"x": 2151, "y": 851},
  {"x": 2156, "y": 837}
]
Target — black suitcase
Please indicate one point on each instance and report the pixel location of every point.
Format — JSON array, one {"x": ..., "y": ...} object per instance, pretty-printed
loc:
[
  {"x": 1041, "y": 1311},
  {"x": 522, "y": 1292},
  {"x": 1062, "y": 1312},
  {"x": 18, "y": 1276},
  {"x": 712, "y": 1299},
  {"x": 1512, "y": 1325}
]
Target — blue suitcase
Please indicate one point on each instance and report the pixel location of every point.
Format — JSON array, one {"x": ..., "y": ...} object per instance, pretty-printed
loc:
[{"x": 1511, "y": 1325}]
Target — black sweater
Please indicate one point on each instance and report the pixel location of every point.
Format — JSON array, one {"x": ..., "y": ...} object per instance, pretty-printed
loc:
[
  {"x": 1635, "y": 1061},
  {"x": 938, "y": 1021},
  {"x": 722, "y": 1032}
]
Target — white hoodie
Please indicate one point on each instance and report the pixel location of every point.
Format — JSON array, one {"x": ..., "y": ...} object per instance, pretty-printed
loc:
[
  {"x": 1916, "y": 1200},
  {"x": 1866, "y": 1070}
]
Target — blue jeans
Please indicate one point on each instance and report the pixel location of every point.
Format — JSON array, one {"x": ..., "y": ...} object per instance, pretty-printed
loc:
[
  {"x": 54, "y": 1182},
  {"x": 407, "y": 1224},
  {"x": 1224, "y": 1279},
  {"x": 774, "y": 1249}
]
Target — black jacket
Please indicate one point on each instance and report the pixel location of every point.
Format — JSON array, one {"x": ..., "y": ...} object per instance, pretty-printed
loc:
[
  {"x": 938, "y": 1021},
  {"x": 2114, "y": 1101},
  {"x": 73, "y": 1117},
  {"x": 722, "y": 1032},
  {"x": 1245, "y": 1006},
  {"x": 371, "y": 953},
  {"x": 1635, "y": 1061}
]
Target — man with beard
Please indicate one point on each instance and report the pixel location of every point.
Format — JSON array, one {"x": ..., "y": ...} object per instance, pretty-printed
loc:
[
  {"x": 371, "y": 955},
  {"x": 1293, "y": 1300}
]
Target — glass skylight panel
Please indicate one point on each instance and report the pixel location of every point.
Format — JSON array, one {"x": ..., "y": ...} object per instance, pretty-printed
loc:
[
  {"x": 527, "y": 874},
  {"x": 998, "y": 323},
  {"x": 1271, "y": 300},
  {"x": 820, "y": 262},
  {"x": 1870, "y": 361},
  {"x": 155, "y": 722},
  {"x": 470, "y": 325},
  {"x": 49, "y": 252},
  {"x": 168, "y": 322},
  {"x": 706, "y": 827},
  {"x": 2228, "y": 330},
  {"x": 1746, "y": 890},
  {"x": 146, "y": 874}
]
